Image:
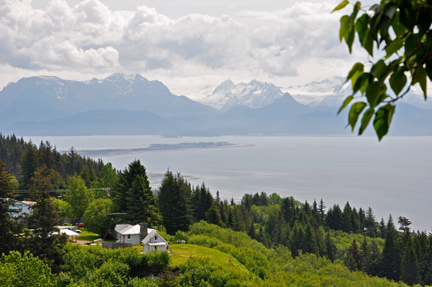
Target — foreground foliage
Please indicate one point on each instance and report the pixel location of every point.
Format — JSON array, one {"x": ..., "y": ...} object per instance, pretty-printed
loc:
[{"x": 402, "y": 29}]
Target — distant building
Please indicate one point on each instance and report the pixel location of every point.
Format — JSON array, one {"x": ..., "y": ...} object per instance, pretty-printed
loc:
[{"x": 136, "y": 234}]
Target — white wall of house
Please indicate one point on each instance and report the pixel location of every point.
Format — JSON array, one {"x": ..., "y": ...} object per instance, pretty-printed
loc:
[
  {"x": 130, "y": 238},
  {"x": 154, "y": 242}
]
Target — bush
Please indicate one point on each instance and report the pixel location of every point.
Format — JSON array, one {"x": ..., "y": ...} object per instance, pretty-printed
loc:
[
  {"x": 67, "y": 224},
  {"x": 158, "y": 260},
  {"x": 26, "y": 270}
]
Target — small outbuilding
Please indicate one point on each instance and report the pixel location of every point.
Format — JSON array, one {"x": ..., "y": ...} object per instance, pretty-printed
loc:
[{"x": 180, "y": 242}]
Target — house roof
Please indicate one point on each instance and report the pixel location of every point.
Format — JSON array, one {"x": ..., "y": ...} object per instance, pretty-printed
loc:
[
  {"x": 128, "y": 229},
  {"x": 150, "y": 234}
]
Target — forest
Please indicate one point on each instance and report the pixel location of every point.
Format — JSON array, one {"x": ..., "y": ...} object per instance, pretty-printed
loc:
[{"x": 270, "y": 240}]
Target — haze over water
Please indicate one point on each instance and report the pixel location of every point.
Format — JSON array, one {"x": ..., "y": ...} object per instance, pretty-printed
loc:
[{"x": 391, "y": 177}]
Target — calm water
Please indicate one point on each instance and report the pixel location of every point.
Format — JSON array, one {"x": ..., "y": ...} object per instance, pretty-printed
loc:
[{"x": 393, "y": 176}]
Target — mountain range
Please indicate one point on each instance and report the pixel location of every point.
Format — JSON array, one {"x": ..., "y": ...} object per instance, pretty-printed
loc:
[{"x": 122, "y": 104}]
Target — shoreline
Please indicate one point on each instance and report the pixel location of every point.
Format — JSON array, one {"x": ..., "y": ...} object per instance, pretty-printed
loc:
[{"x": 160, "y": 148}]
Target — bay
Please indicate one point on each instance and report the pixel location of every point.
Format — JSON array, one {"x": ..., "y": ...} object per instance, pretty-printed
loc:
[{"x": 391, "y": 177}]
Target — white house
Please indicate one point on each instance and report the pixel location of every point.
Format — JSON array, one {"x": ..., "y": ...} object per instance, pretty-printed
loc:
[
  {"x": 153, "y": 241},
  {"x": 136, "y": 234},
  {"x": 127, "y": 233}
]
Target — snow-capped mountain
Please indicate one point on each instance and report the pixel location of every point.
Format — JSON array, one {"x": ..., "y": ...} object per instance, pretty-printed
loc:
[
  {"x": 253, "y": 95},
  {"x": 328, "y": 93},
  {"x": 43, "y": 98}
]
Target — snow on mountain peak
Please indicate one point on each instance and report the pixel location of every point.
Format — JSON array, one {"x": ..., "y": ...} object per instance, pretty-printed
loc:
[{"x": 255, "y": 94}]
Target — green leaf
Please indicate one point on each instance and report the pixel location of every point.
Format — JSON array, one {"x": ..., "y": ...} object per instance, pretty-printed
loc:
[
  {"x": 341, "y": 6},
  {"x": 390, "y": 10},
  {"x": 354, "y": 113},
  {"x": 384, "y": 24},
  {"x": 345, "y": 103},
  {"x": 365, "y": 120},
  {"x": 355, "y": 72},
  {"x": 361, "y": 26},
  {"x": 397, "y": 26},
  {"x": 377, "y": 9},
  {"x": 398, "y": 80},
  {"x": 345, "y": 27},
  {"x": 410, "y": 45},
  {"x": 368, "y": 42},
  {"x": 357, "y": 7},
  {"x": 383, "y": 119},
  {"x": 350, "y": 39},
  {"x": 420, "y": 77},
  {"x": 393, "y": 47},
  {"x": 361, "y": 83},
  {"x": 373, "y": 92}
]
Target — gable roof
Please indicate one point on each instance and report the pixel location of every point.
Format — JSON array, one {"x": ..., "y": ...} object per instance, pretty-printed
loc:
[
  {"x": 128, "y": 229},
  {"x": 151, "y": 233}
]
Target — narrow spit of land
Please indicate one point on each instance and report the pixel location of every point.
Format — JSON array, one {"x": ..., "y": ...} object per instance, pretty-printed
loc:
[{"x": 158, "y": 148}]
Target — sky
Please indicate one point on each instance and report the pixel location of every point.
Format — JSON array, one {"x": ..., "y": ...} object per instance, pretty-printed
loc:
[{"x": 189, "y": 45}]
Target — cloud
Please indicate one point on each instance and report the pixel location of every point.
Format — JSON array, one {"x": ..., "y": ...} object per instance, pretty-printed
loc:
[{"x": 91, "y": 38}]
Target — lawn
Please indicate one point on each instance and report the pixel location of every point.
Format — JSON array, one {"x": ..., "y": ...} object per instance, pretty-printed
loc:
[
  {"x": 90, "y": 236},
  {"x": 181, "y": 254}
]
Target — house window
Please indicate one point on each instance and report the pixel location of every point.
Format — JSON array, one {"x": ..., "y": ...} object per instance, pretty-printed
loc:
[
  {"x": 155, "y": 248},
  {"x": 128, "y": 236},
  {"x": 155, "y": 237}
]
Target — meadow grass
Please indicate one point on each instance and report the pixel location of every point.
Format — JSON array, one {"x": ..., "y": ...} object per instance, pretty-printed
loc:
[{"x": 181, "y": 253}]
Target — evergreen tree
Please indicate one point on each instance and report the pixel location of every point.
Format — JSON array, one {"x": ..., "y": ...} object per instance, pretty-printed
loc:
[
  {"x": 127, "y": 177},
  {"x": 321, "y": 211},
  {"x": 174, "y": 199},
  {"x": 353, "y": 257},
  {"x": 251, "y": 231},
  {"x": 141, "y": 203},
  {"x": 43, "y": 243},
  {"x": 410, "y": 269},
  {"x": 390, "y": 260},
  {"x": 330, "y": 247},
  {"x": 213, "y": 215},
  {"x": 373, "y": 261},
  {"x": 8, "y": 214},
  {"x": 86, "y": 176},
  {"x": 296, "y": 242},
  {"x": 29, "y": 164},
  {"x": 309, "y": 242},
  {"x": 382, "y": 229},
  {"x": 390, "y": 223}
]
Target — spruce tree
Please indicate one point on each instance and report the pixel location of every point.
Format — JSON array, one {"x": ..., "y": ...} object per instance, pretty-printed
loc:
[
  {"x": 127, "y": 177},
  {"x": 353, "y": 257},
  {"x": 141, "y": 204},
  {"x": 29, "y": 164},
  {"x": 390, "y": 260},
  {"x": 309, "y": 241},
  {"x": 43, "y": 242},
  {"x": 410, "y": 269},
  {"x": 330, "y": 247},
  {"x": 174, "y": 199},
  {"x": 9, "y": 226},
  {"x": 213, "y": 215}
]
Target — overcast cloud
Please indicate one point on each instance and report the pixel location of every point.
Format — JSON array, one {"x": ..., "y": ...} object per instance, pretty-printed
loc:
[{"x": 85, "y": 39}]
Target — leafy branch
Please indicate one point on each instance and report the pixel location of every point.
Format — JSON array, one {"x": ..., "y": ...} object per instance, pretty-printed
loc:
[{"x": 404, "y": 27}]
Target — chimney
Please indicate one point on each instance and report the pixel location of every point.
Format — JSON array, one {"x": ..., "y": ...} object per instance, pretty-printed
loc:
[{"x": 143, "y": 231}]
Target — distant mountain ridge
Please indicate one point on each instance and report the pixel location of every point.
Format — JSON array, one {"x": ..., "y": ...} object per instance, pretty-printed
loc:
[
  {"x": 122, "y": 105},
  {"x": 43, "y": 98}
]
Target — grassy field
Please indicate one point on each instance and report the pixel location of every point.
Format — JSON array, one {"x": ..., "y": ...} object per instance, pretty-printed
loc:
[
  {"x": 90, "y": 236},
  {"x": 181, "y": 254}
]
